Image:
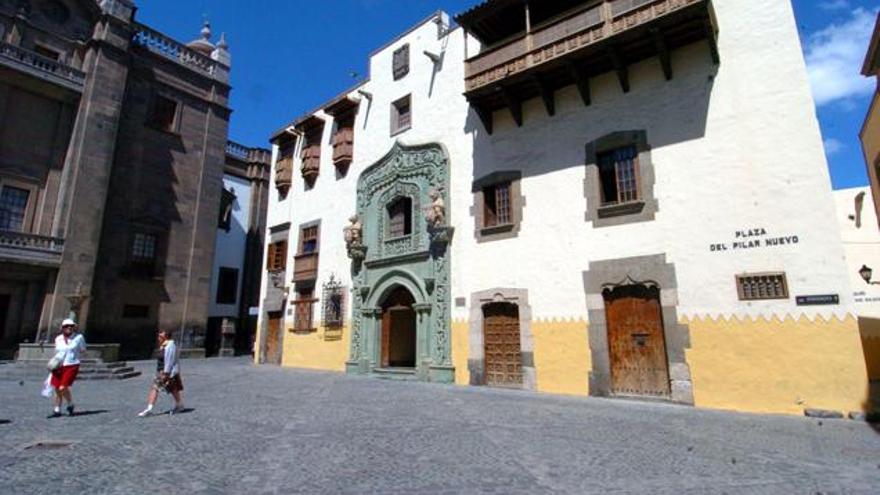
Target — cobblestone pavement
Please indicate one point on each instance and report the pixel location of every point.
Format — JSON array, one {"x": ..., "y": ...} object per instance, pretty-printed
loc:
[{"x": 270, "y": 430}]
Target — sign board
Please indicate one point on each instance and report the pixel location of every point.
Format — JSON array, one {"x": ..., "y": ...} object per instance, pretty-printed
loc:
[
  {"x": 254, "y": 311},
  {"x": 818, "y": 300}
]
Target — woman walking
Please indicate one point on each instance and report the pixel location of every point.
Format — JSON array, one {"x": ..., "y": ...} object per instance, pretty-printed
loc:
[
  {"x": 167, "y": 375},
  {"x": 68, "y": 347}
]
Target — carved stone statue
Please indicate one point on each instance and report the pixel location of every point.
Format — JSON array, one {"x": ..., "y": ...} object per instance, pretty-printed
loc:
[
  {"x": 354, "y": 232},
  {"x": 436, "y": 215}
]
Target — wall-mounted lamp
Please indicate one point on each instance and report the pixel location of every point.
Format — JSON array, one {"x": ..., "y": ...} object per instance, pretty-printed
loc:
[
  {"x": 366, "y": 94},
  {"x": 866, "y": 272},
  {"x": 433, "y": 56}
]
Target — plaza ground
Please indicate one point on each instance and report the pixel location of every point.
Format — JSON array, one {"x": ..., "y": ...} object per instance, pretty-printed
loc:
[{"x": 270, "y": 430}]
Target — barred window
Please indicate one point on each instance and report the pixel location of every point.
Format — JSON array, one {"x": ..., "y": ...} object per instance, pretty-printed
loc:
[
  {"x": 143, "y": 248},
  {"x": 760, "y": 286},
  {"x": 333, "y": 303},
  {"x": 618, "y": 172},
  {"x": 496, "y": 204},
  {"x": 13, "y": 207},
  {"x": 400, "y": 62}
]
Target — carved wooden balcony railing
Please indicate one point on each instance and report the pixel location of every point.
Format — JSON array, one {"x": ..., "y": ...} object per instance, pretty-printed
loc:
[
  {"x": 42, "y": 67},
  {"x": 284, "y": 174},
  {"x": 343, "y": 147},
  {"x": 311, "y": 162},
  {"x": 601, "y": 37},
  {"x": 305, "y": 267},
  {"x": 169, "y": 48},
  {"x": 30, "y": 248}
]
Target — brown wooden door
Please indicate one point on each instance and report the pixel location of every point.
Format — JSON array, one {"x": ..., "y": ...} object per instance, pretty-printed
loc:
[
  {"x": 386, "y": 338},
  {"x": 503, "y": 356},
  {"x": 273, "y": 346},
  {"x": 636, "y": 341}
]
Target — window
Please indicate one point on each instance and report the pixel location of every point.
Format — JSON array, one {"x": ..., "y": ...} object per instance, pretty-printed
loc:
[
  {"x": 135, "y": 311},
  {"x": 13, "y": 208},
  {"x": 400, "y": 218},
  {"x": 143, "y": 249},
  {"x": 401, "y": 115},
  {"x": 302, "y": 318},
  {"x": 308, "y": 240},
  {"x": 47, "y": 52},
  {"x": 760, "y": 286},
  {"x": 496, "y": 203},
  {"x": 400, "y": 64},
  {"x": 163, "y": 114},
  {"x": 276, "y": 258},
  {"x": 334, "y": 300},
  {"x": 227, "y": 285},
  {"x": 618, "y": 175},
  {"x": 227, "y": 203}
]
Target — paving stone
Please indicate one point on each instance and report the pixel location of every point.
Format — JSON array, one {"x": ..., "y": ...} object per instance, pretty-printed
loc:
[{"x": 267, "y": 430}]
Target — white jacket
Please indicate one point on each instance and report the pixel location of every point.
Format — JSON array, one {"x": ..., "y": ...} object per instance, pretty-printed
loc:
[{"x": 70, "y": 349}]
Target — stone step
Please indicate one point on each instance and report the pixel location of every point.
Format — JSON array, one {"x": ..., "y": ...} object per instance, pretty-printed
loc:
[{"x": 89, "y": 370}]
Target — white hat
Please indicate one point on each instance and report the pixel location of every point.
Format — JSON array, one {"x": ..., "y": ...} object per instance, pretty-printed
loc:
[{"x": 68, "y": 321}]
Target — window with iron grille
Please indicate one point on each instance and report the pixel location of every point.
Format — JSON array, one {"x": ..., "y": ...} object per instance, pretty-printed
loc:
[
  {"x": 758, "y": 286},
  {"x": 143, "y": 248},
  {"x": 618, "y": 175},
  {"x": 303, "y": 305},
  {"x": 400, "y": 218},
  {"x": 13, "y": 208},
  {"x": 401, "y": 115},
  {"x": 276, "y": 258},
  {"x": 400, "y": 62},
  {"x": 496, "y": 204},
  {"x": 333, "y": 305}
]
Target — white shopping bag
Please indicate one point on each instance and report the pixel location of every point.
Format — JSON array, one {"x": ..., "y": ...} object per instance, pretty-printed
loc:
[{"x": 48, "y": 390}]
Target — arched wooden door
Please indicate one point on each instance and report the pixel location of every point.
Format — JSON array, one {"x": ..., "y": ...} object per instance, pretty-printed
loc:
[
  {"x": 501, "y": 342},
  {"x": 398, "y": 339},
  {"x": 636, "y": 341}
]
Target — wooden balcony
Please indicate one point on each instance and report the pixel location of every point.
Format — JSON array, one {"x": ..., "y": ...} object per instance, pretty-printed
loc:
[
  {"x": 305, "y": 267},
  {"x": 568, "y": 50}
]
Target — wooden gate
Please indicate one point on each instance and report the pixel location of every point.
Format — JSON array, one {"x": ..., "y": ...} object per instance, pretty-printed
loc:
[
  {"x": 636, "y": 341},
  {"x": 501, "y": 342},
  {"x": 273, "y": 346}
]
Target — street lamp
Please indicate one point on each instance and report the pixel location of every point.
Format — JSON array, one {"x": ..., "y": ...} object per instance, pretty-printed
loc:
[{"x": 866, "y": 272}]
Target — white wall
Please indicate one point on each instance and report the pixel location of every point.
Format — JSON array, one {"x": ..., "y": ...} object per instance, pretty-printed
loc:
[
  {"x": 862, "y": 246},
  {"x": 229, "y": 247},
  {"x": 733, "y": 147}
]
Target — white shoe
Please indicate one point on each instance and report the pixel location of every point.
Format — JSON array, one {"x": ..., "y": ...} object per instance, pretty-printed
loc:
[{"x": 145, "y": 413}]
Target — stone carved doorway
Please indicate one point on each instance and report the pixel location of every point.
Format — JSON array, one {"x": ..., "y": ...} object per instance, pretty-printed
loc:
[
  {"x": 636, "y": 341},
  {"x": 398, "y": 348}
]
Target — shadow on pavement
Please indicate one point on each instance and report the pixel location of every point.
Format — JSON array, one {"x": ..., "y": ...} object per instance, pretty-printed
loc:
[
  {"x": 89, "y": 413},
  {"x": 5, "y": 421}
]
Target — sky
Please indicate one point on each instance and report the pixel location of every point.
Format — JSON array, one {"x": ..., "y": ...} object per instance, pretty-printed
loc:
[{"x": 289, "y": 56}]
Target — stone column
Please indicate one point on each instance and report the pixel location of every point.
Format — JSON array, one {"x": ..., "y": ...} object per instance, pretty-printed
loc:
[
  {"x": 423, "y": 339},
  {"x": 86, "y": 175}
]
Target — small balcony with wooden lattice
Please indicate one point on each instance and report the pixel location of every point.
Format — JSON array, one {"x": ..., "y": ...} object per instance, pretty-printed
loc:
[
  {"x": 533, "y": 48},
  {"x": 343, "y": 110}
]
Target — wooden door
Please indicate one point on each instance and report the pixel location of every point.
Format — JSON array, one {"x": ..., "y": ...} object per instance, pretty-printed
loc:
[
  {"x": 273, "y": 333},
  {"x": 503, "y": 356},
  {"x": 4, "y": 312},
  {"x": 386, "y": 338},
  {"x": 636, "y": 341}
]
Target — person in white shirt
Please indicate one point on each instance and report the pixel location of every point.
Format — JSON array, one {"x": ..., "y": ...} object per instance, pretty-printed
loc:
[
  {"x": 68, "y": 348},
  {"x": 167, "y": 375}
]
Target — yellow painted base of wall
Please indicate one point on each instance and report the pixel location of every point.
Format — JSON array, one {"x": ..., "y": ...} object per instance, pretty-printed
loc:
[
  {"x": 562, "y": 356},
  {"x": 460, "y": 349},
  {"x": 325, "y": 349},
  {"x": 777, "y": 366}
]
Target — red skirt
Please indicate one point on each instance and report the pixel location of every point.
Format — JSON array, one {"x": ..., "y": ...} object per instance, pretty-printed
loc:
[{"x": 64, "y": 376}]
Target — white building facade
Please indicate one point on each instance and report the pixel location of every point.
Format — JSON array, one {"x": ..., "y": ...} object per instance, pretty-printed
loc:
[{"x": 617, "y": 199}]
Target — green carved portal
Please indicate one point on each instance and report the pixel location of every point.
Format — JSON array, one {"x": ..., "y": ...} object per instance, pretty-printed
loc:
[{"x": 400, "y": 267}]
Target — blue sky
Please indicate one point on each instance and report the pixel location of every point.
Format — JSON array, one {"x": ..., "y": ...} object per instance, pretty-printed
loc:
[{"x": 292, "y": 55}]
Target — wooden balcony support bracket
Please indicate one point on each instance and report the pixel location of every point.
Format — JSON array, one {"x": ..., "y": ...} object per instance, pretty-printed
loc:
[
  {"x": 515, "y": 104},
  {"x": 663, "y": 53},
  {"x": 582, "y": 82},
  {"x": 621, "y": 68},
  {"x": 712, "y": 36},
  {"x": 547, "y": 94},
  {"x": 485, "y": 116}
]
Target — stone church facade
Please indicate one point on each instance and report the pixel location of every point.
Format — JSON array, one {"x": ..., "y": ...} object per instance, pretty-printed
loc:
[
  {"x": 600, "y": 198},
  {"x": 113, "y": 147}
]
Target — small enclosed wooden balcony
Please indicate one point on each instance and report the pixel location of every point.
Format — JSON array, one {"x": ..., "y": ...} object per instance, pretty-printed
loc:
[
  {"x": 305, "y": 267},
  {"x": 531, "y": 48}
]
